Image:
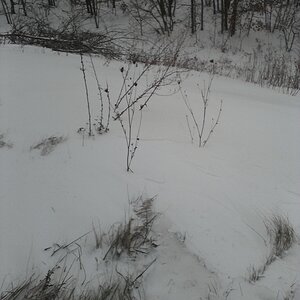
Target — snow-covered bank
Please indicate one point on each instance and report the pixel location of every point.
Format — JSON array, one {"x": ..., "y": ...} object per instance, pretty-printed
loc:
[{"x": 217, "y": 195}]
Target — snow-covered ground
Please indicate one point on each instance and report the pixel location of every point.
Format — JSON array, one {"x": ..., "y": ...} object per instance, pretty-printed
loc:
[{"x": 217, "y": 196}]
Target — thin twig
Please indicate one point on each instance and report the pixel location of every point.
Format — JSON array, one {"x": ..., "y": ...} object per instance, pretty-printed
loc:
[
  {"x": 74, "y": 241},
  {"x": 87, "y": 95}
]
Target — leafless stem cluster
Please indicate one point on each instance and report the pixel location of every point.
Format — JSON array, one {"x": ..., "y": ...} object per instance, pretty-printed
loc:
[
  {"x": 278, "y": 72},
  {"x": 102, "y": 122},
  {"x": 134, "y": 95},
  {"x": 128, "y": 94},
  {"x": 200, "y": 126}
]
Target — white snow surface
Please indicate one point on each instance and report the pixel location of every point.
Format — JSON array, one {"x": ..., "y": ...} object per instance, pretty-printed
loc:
[{"x": 218, "y": 196}]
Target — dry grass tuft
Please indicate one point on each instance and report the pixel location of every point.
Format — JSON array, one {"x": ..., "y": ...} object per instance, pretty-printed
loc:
[
  {"x": 281, "y": 233},
  {"x": 47, "y": 145},
  {"x": 135, "y": 235},
  {"x": 3, "y": 143}
]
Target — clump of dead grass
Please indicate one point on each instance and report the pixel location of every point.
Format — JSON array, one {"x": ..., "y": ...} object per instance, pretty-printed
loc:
[
  {"x": 135, "y": 234},
  {"x": 117, "y": 287},
  {"x": 282, "y": 236},
  {"x": 4, "y": 143},
  {"x": 116, "y": 279},
  {"x": 47, "y": 145}
]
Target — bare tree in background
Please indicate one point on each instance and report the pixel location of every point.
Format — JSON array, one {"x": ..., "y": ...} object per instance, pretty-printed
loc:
[{"x": 160, "y": 11}]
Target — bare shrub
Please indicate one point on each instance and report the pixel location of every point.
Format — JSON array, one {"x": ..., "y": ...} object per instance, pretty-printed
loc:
[
  {"x": 133, "y": 96},
  {"x": 280, "y": 72},
  {"x": 102, "y": 122},
  {"x": 159, "y": 12},
  {"x": 273, "y": 70},
  {"x": 200, "y": 125},
  {"x": 129, "y": 120},
  {"x": 47, "y": 145},
  {"x": 137, "y": 90}
]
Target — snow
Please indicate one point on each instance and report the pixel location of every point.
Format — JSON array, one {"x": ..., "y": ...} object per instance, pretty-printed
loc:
[{"x": 217, "y": 196}]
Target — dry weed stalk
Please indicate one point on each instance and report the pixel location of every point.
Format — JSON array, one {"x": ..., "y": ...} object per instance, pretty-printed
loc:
[{"x": 200, "y": 128}]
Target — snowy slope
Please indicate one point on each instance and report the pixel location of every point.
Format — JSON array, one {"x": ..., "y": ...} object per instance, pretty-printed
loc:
[{"x": 217, "y": 196}]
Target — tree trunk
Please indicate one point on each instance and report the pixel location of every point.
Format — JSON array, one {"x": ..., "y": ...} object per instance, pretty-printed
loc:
[
  {"x": 222, "y": 16},
  {"x": 193, "y": 16},
  {"x": 218, "y": 5},
  {"x": 226, "y": 9},
  {"x": 162, "y": 8},
  {"x": 202, "y": 14},
  {"x": 233, "y": 17},
  {"x": 89, "y": 6},
  {"x": 12, "y": 7},
  {"x": 214, "y": 7}
]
